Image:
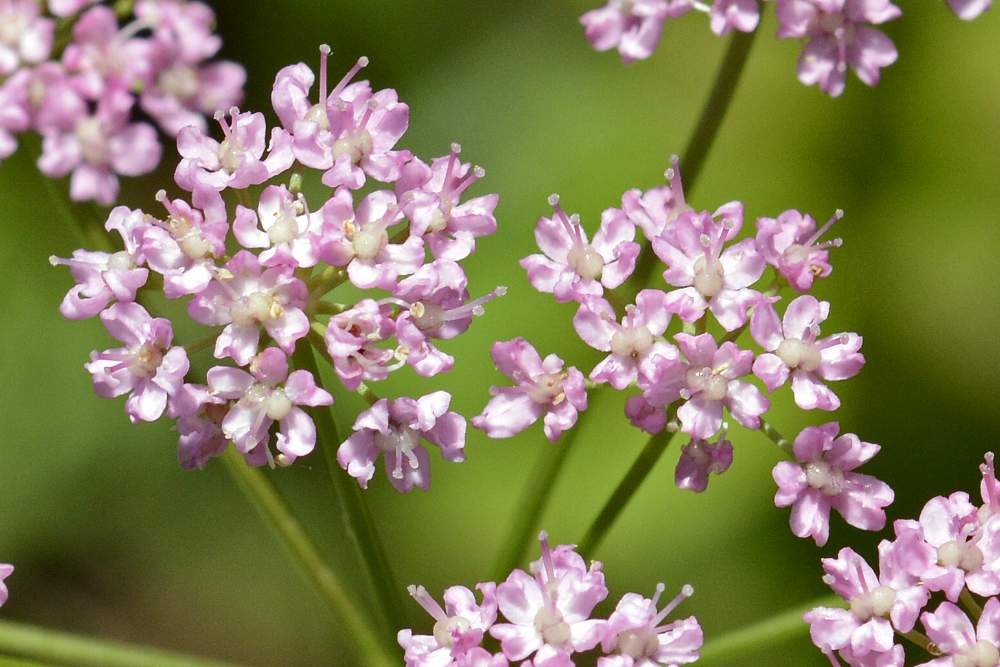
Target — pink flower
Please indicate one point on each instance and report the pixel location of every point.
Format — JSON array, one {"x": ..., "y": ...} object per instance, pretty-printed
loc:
[
  {"x": 698, "y": 459},
  {"x": 431, "y": 198},
  {"x": 789, "y": 244},
  {"x": 962, "y": 644},
  {"x": 644, "y": 415},
  {"x": 98, "y": 147},
  {"x": 183, "y": 94},
  {"x": 631, "y": 344},
  {"x": 437, "y": 306},
  {"x": 5, "y": 571},
  {"x": 360, "y": 241},
  {"x": 64, "y": 8},
  {"x": 837, "y": 34},
  {"x": 572, "y": 268},
  {"x": 236, "y": 162},
  {"x": 989, "y": 488},
  {"x": 549, "y": 611},
  {"x": 728, "y": 15},
  {"x": 710, "y": 277},
  {"x": 969, "y": 9},
  {"x": 656, "y": 209},
  {"x": 364, "y": 132},
  {"x": 634, "y": 637},
  {"x": 243, "y": 297},
  {"x": 892, "y": 658},
  {"x": 104, "y": 277},
  {"x": 352, "y": 339},
  {"x": 634, "y": 28},
  {"x": 458, "y": 628},
  {"x": 15, "y": 111},
  {"x": 287, "y": 231},
  {"x": 199, "y": 416},
  {"x": 147, "y": 367},
  {"x": 545, "y": 389},
  {"x": 26, "y": 36},
  {"x": 708, "y": 381},
  {"x": 54, "y": 103},
  {"x": 394, "y": 428},
  {"x": 183, "y": 248},
  {"x": 823, "y": 478},
  {"x": 968, "y": 554},
  {"x": 794, "y": 347},
  {"x": 102, "y": 57},
  {"x": 268, "y": 394}
]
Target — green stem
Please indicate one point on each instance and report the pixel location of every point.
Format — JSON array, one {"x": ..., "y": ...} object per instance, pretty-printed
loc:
[
  {"x": 738, "y": 645},
  {"x": 63, "y": 648},
  {"x": 264, "y": 497},
  {"x": 705, "y": 131},
  {"x": 533, "y": 500},
  {"x": 355, "y": 515},
  {"x": 920, "y": 639},
  {"x": 772, "y": 433},
  {"x": 202, "y": 343},
  {"x": 970, "y": 604},
  {"x": 633, "y": 479}
]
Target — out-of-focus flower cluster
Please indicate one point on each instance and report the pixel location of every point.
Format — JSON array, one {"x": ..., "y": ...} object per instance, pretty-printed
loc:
[
  {"x": 77, "y": 72},
  {"x": 837, "y": 35},
  {"x": 689, "y": 379},
  {"x": 259, "y": 276},
  {"x": 942, "y": 569},
  {"x": 5, "y": 571},
  {"x": 549, "y": 617}
]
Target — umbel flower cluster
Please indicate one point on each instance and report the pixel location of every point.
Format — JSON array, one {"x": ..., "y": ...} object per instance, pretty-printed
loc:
[
  {"x": 942, "y": 569},
  {"x": 72, "y": 73},
  {"x": 687, "y": 377},
  {"x": 836, "y": 34},
  {"x": 549, "y": 617},
  {"x": 259, "y": 276}
]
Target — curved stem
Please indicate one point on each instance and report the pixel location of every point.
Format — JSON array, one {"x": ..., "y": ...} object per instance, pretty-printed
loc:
[
  {"x": 705, "y": 131},
  {"x": 739, "y": 645},
  {"x": 782, "y": 442},
  {"x": 633, "y": 479},
  {"x": 264, "y": 497},
  {"x": 534, "y": 499},
  {"x": 355, "y": 515},
  {"x": 63, "y": 648}
]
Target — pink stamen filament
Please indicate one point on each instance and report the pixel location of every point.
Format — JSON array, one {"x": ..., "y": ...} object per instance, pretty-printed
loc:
[
  {"x": 358, "y": 66},
  {"x": 430, "y": 605},
  {"x": 838, "y": 215},
  {"x": 686, "y": 592},
  {"x": 324, "y": 52},
  {"x": 673, "y": 175},
  {"x": 572, "y": 227}
]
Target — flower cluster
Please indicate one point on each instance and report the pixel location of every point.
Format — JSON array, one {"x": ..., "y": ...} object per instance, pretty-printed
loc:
[
  {"x": 688, "y": 378},
  {"x": 77, "y": 77},
  {"x": 549, "y": 613},
  {"x": 942, "y": 569},
  {"x": 836, "y": 34},
  {"x": 5, "y": 571},
  {"x": 264, "y": 293}
]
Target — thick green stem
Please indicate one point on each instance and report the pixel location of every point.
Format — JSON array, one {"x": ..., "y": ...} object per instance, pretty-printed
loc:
[
  {"x": 633, "y": 479},
  {"x": 740, "y": 645},
  {"x": 705, "y": 132},
  {"x": 264, "y": 497},
  {"x": 534, "y": 499},
  {"x": 357, "y": 519},
  {"x": 62, "y": 648}
]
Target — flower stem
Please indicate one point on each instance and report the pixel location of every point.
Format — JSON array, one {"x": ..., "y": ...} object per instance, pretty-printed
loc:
[
  {"x": 355, "y": 515},
  {"x": 970, "y": 604},
  {"x": 705, "y": 132},
  {"x": 264, "y": 497},
  {"x": 534, "y": 499},
  {"x": 52, "y": 646},
  {"x": 633, "y": 479},
  {"x": 739, "y": 645},
  {"x": 783, "y": 443}
]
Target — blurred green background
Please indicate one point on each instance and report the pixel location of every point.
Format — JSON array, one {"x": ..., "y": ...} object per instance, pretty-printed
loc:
[{"x": 110, "y": 537}]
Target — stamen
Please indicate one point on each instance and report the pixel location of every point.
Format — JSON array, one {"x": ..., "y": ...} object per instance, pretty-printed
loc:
[
  {"x": 358, "y": 66},
  {"x": 861, "y": 577},
  {"x": 324, "y": 52},
  {"x": 673, "y": 175},
  {"x": 655, "y": 600},
  {"x": 425, "y": 600},
  {"x": 837, "y": 215},
  {"x": 550, "y": 570},
  {"x": 687, "y": 590},
  {"x": 564, "y": 219}
]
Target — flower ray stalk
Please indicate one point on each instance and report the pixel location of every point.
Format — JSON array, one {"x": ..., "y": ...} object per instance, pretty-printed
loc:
[
  {"x": 354, "y": 512},
  {"x": 276, "y": 513},
  {"x": 709, "y": 122},
  {"x": 51, "y": 646}
]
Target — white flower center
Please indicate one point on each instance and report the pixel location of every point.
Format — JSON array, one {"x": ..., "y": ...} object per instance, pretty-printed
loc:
[
  {"x": 13, "y": 24},
  {"x": 797, "y": 353},
  {"x": 585, "y": 261},
  {"x": 980, "y": 654},
  {"x": 317, "y": 114},
  {"x": 355, "y": 143},
  {"x": 546, "y": 388},
  {"x": 255, "y": 307},
  {"x": 712, "y": 386},
  {"x": 230, "y": 154},
  {"x": 277, "y": 405},
  {"x": 709, "y": 276},
  {"x": 180, "y": 82},
  {"x": 960, "y": 554},
  {"x": 402, "y": 440},
  {"x": 639, "y": 643},
  {"x": 550, "y": 624},
  {"x": 631, "y": 342},
  {"x": 369, "y": 241},
  {"x": 146, "y": 360},
  {"x": 93, "y": 142},
  {"x": 825, "y": 478},
  {"x": 874, "y": 603},
  {"x": 120, "y": 261},
  {"x": 284, "y": 228},
  {"x": 443, "y": 630}
]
